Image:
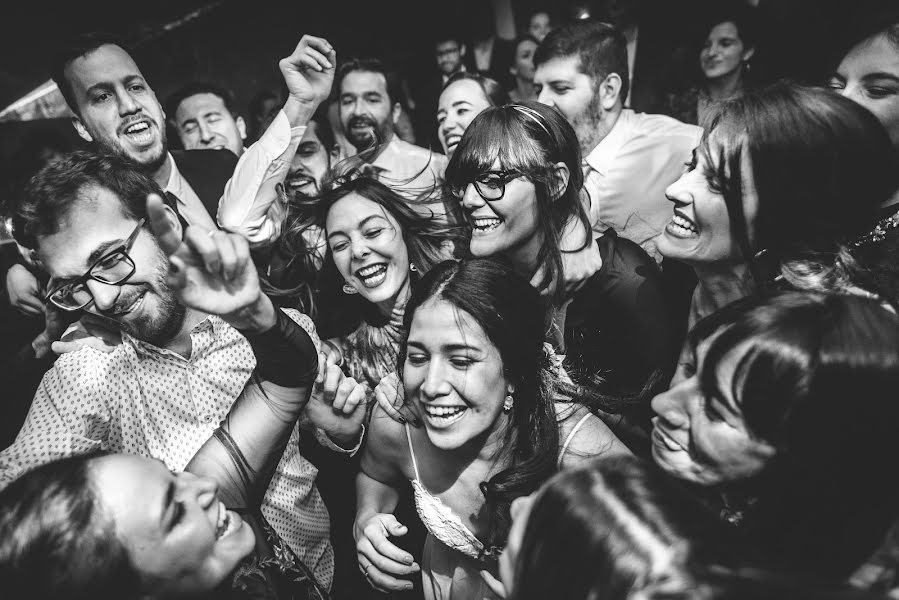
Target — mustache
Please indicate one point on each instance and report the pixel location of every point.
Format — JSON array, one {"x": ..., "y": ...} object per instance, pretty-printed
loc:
[{"x": 361, "y": 121}]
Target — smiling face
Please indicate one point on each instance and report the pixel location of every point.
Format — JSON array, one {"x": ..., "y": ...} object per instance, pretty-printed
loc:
[
  {"x": 309, "y": 166},
  {"x": 723, "y": 52},
  {"x": 507, "y": 226},
  {"x": 539, "y": 26},
  {"x": 559, "y": 82},
  {"x": 178, "y": 534},
  {"x": 699, "y": 232},
  {"x": 368, "y": 249},
  {"x": 143, "y": 306},
  {"x": 204, "y": 122},
  {"x": 449, "y": 56},
  {"x": 703, "y": 439},
  {"x": 117, "y": 109},
  {"x": 869, "y": 75},
  {"x": 454, "y": 376},
  {"x": 459, "y": 104},
  {"x": 365, "y": 108}
]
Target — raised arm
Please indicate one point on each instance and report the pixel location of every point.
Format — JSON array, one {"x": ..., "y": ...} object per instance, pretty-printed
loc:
[{"x": 250, "y": 205}]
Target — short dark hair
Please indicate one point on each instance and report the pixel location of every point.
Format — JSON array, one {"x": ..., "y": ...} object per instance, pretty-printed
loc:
[
  {"x": 53, "y": 192},
  {"x": 372, "y": 65},
  {"x": 56, "y": 540},
  {"x": 72, "y": 49},
  {"x": 741, "y": 15},
  {"x": 600, "y": 47},
  {"x": 194, "y": 88}
]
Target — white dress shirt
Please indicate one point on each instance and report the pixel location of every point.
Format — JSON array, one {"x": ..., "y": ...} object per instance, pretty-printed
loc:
[{"x": 628, "y": 171}]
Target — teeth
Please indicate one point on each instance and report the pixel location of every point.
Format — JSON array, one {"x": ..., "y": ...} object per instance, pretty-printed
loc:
[
  {"x": 370, "y": 271},
  {"x": 137, "y": 128},
  {"x": 682, "y": 222},
  {"x": 443, "y": 411},
  {"x": 224, "y": 520},
  {"x": 486, "y": 224}
]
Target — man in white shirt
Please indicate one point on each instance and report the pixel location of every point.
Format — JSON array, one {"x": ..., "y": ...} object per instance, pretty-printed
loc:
[
  {"x": 629, "y": 158},
  {"x": 369, "y": 108}
]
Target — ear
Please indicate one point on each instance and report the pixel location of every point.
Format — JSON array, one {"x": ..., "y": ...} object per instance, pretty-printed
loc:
[
  {"x": 241, "y": 127},
  {"x": 397, "y": 111},
  {"x": 82, "y": 130},
  {"x": 609, "y": 91},
  {"x": 748, "y": 54},
  {"x": 172, "y": 217},
  {"x": 462, "y": 50},
  {"x": 510, "y": 389},
  {"x": 560, "y": 177}
]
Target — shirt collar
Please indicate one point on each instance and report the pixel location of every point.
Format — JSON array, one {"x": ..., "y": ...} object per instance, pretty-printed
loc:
[
  {"x": 175, "y": 183},
  {"x": 148, "y": 350},
  {"x": 603, "y": 155}
]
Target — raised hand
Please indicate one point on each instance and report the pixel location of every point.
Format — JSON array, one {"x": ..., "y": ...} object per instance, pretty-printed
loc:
[
  {"x": 309, "y": 72},
  {"x": 380, "y": 560},
  {"x": 212, "y": 272},
  {"x": 337, "y": 405},
  {"x": 390, "y": 397}
]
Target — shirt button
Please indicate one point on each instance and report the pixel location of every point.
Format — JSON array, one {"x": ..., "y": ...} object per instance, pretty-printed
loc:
[{"x": 207, "y": 419}]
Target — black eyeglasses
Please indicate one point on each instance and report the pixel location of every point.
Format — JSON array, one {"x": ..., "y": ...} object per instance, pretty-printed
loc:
[
  {"x": 490, "y": 185},
  {"x": 113, "y": 268}
]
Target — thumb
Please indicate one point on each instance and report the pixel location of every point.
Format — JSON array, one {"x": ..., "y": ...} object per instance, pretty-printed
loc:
[{"x": 392, "y": 526}]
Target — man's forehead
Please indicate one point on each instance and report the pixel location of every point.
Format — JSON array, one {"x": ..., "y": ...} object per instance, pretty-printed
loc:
[
  {"x": 198, "y": 102},
  {"x": 106, "y": 63},
  {"x": 361, "y": 82},
  {"x": 560, "y": 67}
]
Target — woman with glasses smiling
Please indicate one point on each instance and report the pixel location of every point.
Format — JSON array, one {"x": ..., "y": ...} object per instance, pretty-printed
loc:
[{"x": 517, "y": 174}]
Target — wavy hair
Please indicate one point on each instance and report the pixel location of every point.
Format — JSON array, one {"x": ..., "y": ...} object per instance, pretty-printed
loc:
[{"x": 530, "y": 138}]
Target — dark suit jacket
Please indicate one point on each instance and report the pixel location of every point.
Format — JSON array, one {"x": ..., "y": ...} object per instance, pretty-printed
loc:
[{"x": 207, "y": 172}]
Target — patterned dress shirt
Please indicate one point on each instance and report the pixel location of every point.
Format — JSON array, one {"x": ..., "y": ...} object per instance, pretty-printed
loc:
[{"x": 140, "y": 399}]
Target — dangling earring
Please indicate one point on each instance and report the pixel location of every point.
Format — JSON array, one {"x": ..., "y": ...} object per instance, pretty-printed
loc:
[
  {"x": 348, "y": 289},
  {"x": 413, "y": 268},
  {"x": 509, "y": 401}
]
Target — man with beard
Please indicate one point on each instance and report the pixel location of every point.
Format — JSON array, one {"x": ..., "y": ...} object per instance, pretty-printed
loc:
[
  {"x": 368, "y": 99},
  {"x": 165, "y": 388},
  {"x": 629, "y": 158}
]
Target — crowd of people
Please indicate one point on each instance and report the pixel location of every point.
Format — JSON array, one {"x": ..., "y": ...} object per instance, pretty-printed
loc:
[{"x": 608, "y": 336}]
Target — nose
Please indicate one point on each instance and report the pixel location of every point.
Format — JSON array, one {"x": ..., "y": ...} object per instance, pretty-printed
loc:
[
  {"x": 679, "y": 192},
  {"x": 203, "y": 490},
  {"x": 127, "y": 104},
  {"x": 471, "y": 200},
  {"x": 544, "y": 97},
  {"x": 205, "y": 133},
  {"x": 435, "y": 383},
  {"x": 105, "y": 295},
  {"x": 671, "y": 406},
  {"x": 360, "y": 249}
]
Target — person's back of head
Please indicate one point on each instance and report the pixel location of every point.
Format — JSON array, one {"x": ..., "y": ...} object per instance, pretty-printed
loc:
[
  {"x": 614, "y": 528},
  {"x": 600, "y": 48},
  {"x": 56, "y": 541}
]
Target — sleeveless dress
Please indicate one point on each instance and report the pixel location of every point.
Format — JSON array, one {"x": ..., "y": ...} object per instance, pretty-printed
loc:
[{"x": 453, "y": 556}]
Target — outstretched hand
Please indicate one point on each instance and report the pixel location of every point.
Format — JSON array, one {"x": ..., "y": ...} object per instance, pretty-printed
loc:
[
  {"x": 211, "y": 271},
  {"x": 309, "y": 73}
]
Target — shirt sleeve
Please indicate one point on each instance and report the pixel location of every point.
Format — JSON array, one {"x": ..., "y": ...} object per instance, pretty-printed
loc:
[
  {"x": 68, "y": 416},
  {"x": 250, "y": 205}
]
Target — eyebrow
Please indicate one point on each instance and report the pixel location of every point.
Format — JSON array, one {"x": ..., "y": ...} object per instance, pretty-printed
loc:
[
  {"x": 447, "y": 347},
  {"x": 362, "y": 224},
  {"x": 93, "y": 257},
  {"x": 881, "y": 75}
]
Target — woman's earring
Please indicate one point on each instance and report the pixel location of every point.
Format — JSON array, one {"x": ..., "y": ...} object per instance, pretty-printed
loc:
[
  {"x": 507, "y": 404},
  {"x": 413, "y": 268},
  {"x": 348, "y": 289}
]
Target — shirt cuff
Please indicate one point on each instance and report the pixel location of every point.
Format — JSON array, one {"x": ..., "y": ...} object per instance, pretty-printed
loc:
[{"x": 325, "y": 441}]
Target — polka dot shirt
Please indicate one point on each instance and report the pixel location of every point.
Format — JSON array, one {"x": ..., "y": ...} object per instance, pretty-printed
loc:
[{"x": 140, "y": 399}]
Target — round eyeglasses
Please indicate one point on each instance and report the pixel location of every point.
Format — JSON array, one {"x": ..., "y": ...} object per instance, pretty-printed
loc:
[
  {"x": 113, "y": 268},
  {"x": 490, "y": 185}
]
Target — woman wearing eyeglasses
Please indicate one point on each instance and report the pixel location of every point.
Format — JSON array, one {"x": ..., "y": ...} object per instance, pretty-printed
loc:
[{"x": 517, "y": 174}]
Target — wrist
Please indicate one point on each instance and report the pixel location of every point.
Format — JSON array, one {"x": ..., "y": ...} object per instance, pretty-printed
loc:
[
  {"x": 258, "y": 317},
  {"x": 299, "y": 112}
]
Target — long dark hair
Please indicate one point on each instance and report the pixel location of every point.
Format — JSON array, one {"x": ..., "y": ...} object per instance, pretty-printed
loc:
[
  {"x": 820, "y": 164},
  {"x": 510, "y": 312},
  {"x": 530, "y": 138},
  {"x": 56, "y": 541},
  {"x": 817, "y": 378}
]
